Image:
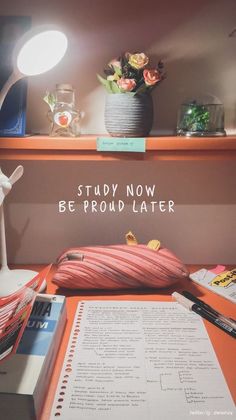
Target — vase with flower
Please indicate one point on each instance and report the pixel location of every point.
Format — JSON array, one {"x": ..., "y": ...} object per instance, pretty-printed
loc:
[{"x": 129, "y": 82}]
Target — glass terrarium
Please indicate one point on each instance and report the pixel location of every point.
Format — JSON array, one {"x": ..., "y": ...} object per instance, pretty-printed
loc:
[
  {"x": 63, "y": 115},
  {"x": 201, "y": 119}
]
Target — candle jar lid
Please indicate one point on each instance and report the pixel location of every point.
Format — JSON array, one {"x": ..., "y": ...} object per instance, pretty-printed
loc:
[
  {"x": 64, "y": 86},
  {"x": 65, "y": 94}
]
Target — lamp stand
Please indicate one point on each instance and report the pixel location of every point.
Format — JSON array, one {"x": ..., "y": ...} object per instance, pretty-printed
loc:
[
  {"x": 13, "y": 78},
  {"x": 12, "y": 280}
]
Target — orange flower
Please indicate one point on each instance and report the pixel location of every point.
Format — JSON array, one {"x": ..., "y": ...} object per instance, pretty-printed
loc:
[
  {"x": 126, "y": 84},
  {"x": 151, "y": 77}
]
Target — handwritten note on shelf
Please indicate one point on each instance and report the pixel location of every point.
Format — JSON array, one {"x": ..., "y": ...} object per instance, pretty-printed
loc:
[
  {"x": 139, "y": 360},
  {"x": 121, "y": 144}
]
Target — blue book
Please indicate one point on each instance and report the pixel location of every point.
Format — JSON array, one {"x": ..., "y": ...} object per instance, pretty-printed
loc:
[
  {"x": 25, "y": 376},
  {"x": 13, "y": 112}
]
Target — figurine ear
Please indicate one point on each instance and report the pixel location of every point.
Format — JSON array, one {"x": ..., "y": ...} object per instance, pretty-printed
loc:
[{"x": 17, "y": 174}]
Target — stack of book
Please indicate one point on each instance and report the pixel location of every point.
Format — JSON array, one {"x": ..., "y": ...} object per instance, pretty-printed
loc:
[{"x": 25, "y": 376}]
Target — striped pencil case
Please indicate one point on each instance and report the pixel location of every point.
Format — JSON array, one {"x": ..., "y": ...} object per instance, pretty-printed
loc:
[{"x": 131, "y": 265}]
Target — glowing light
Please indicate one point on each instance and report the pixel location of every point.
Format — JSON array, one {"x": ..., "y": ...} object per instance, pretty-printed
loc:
[{"x": 41, "y": 52}]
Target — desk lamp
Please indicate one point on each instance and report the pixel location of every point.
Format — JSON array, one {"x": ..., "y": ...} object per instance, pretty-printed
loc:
[{"x": 38, "y": 51}]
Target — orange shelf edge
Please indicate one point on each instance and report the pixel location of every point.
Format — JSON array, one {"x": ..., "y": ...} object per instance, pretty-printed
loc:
[{"x": 84, "y": 148}]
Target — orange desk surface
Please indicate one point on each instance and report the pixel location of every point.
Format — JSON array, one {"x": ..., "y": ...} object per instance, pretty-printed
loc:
[{"x": 224, "y": 345}]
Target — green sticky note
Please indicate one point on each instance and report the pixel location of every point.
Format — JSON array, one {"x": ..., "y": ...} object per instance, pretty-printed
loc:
[{"x": 121, "y": 144}]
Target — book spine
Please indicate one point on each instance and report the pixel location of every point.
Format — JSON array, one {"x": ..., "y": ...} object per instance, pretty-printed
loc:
[{"x": 48, "y": 366}]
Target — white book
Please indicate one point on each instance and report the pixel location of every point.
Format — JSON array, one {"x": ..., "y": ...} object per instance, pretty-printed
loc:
[{"x": 25, "y": 376}]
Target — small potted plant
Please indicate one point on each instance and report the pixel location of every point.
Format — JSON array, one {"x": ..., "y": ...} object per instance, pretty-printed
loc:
[
  {"x": 201, "y": 119},
  {"x": 129, "y": 81}
]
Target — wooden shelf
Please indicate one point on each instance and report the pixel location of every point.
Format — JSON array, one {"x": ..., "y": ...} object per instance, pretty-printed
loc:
[{"x": 84, "y": 148}]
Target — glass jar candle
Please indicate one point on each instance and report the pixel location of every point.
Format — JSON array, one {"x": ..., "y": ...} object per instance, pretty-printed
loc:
[{"x": 64, "y": 117}]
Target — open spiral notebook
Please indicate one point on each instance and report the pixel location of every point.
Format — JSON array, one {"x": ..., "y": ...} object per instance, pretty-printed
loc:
[{"x": 139, "y": 360}]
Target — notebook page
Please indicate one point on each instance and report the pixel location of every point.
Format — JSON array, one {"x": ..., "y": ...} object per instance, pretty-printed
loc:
[{"x": 140, "y": 360}]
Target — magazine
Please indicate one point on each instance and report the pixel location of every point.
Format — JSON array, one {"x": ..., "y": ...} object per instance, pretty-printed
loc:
[{"x": 15, "y": 310}]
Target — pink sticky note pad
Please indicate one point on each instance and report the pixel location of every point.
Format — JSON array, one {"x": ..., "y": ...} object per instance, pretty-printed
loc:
[{"x": 218, "y": 269}]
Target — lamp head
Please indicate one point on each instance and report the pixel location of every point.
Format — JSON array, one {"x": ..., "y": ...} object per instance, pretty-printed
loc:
[{"x": 39, "y": 50}]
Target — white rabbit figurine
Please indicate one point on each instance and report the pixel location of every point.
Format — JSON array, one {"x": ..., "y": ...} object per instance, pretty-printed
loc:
[{"x": 10, "y": 280}]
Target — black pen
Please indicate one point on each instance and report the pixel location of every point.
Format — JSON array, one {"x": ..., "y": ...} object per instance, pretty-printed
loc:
[
  {"x": 208, "y": 308},
  {"x": 214, "y": 319}
]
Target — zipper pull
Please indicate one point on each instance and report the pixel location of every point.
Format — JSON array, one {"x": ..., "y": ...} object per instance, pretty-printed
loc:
[
  {"x": 130, "y": 239},
  {"x": 154, "y": 244}
]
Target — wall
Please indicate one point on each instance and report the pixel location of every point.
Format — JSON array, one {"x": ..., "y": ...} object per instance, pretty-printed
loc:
[
  {"x": 192, "y": 38},
  {"x": 201, "y": 230}
]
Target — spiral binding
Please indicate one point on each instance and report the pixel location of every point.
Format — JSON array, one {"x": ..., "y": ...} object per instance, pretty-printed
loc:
[{"x": 64, "y": 379}]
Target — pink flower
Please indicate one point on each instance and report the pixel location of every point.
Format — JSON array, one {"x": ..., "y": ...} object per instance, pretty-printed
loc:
[
  {"x": 151, "y": 77},
  {"x": 126, "y": 84},
  {"x": 115, "y": 63}
]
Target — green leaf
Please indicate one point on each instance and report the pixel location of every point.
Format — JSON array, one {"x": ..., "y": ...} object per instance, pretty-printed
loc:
[
  {"x": 117, "y": 70},
  {"x": 131, "y": 93},
  {"x": 143, "y": 88},
  {"x": 105, "y": 83},
  {"x": 50, "y": 99},
  {"x": 114, "y": 87}
]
